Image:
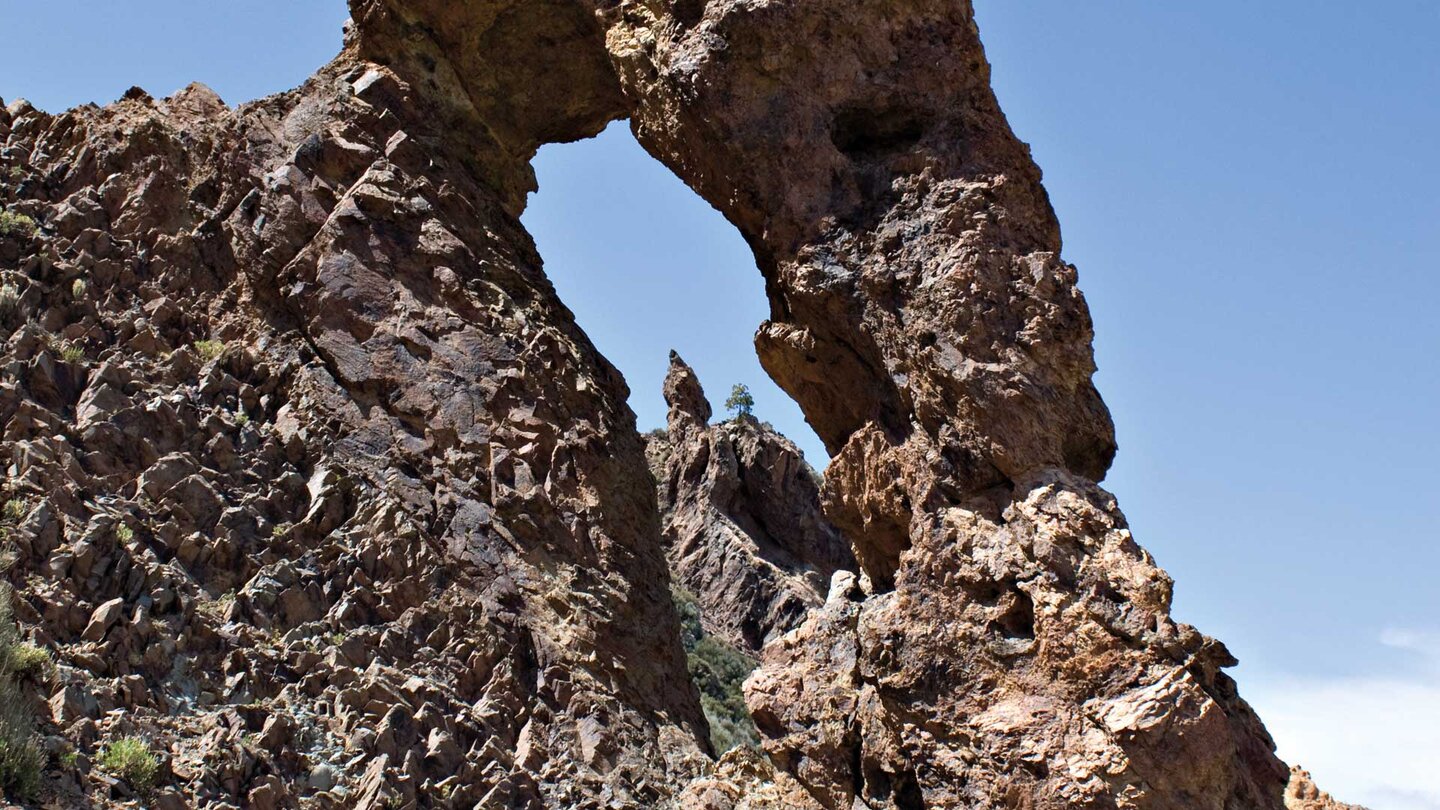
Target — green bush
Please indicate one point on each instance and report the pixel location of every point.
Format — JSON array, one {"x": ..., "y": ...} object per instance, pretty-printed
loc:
[
  {"x": 689, "y": 611},
  {"x": 21, "y": 763},
  {"x": 130, "y": 759},
  {"x": 13, "y": 224},
  {"x": 209, "y": 349},
  {"x": 718, "y": 670},
  {"x": 9, "y": 299},
  {"x": 21, "y": 760},
  {"x": 14, "y": 509},
  {"x": 29, "y": 660}
]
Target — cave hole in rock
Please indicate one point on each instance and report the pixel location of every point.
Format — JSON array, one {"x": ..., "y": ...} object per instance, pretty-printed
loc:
[{"x": 646, "y": 265}]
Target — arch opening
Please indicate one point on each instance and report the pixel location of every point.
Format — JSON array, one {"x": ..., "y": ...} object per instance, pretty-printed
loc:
[{"x": 646, "y": 266}]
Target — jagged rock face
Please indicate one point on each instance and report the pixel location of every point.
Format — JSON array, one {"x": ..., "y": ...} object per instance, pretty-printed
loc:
[
  {"x": 459, "y": 483},
  {"x": 1013, "y": 646},
  {"x": 744, "y": 780},
  {"x": 1302, "y": 794},
  {"x": 390, "y": 536},
  {"x": 740, "y": 518}
]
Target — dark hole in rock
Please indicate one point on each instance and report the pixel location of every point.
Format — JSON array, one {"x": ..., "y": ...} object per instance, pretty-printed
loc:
[
  {"x": 869, "y": 132},
  {"x": 907, "y": 793},
  {"x": 900, "y": 790},
  {"x": 1018, "y": 620},
  {"x": 689, "y": 12}
]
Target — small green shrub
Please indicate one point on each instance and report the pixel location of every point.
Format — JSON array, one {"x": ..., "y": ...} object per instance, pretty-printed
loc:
[
  {"x": 13, "y": 224},
  {"x": 209, "y": 349},
  {"x": 21, "y": 760},
  {"x": 718, "y": 670},
  {"x": 78, "y": 288},
  {"x": 28, "y": 659},
  {"x": 124, "y": 533},
  {"x": 72, "y": 353},
  {"x": 215, "y": 609},
  {"x": 688, "y": 610},
  {"x": 14, "y": 509},
  {"x": 9, "y": 299},
  {"x": 130, "y": 759},
  {"x": 21, "y": 763},
  {"x": 242, "y": 418},
  {"x": 740, "y": 402}
]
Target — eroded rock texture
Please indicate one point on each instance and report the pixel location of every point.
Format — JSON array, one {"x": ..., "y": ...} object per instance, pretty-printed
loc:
[
  {"x": 317, "y": 483},
  {"x": 1013, "y": 645},
  {"x": 740, "y": 518},
  {"x": 391, "y": 540},
  {"x": 1303, "y": 794}
]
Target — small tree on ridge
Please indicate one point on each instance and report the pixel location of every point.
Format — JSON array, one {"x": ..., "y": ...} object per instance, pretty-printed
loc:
[{"x": 740, "y": 402}]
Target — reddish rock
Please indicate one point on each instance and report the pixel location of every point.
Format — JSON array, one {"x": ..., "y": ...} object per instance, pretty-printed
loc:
[{"x": 740, "y": 518}]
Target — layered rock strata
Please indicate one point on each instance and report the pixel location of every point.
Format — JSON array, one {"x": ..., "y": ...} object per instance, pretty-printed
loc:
[{"x": 740, "y": 518}]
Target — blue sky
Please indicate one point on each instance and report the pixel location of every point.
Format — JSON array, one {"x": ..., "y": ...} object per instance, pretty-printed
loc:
[{"x": 1250, "y": 192}]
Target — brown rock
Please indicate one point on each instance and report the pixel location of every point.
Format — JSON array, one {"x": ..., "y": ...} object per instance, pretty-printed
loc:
[
  {"x": 745, "y": 780},
  {"x": 71, "y": 703},
  {"x": 335, "y": 281},
  {"x": 1302, "y": 794},
  {"x": 103, "y": 618},
  {"x": 740, "y": 517},
  {"x": 270, "y": 794}
]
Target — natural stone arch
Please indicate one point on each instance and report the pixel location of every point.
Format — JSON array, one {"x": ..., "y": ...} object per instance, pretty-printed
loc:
[
  {"x": 922, "y": 318},
  {"x": 1012, "y": 645}
]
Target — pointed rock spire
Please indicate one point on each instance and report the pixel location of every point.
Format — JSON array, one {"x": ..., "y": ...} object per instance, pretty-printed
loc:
[{"x": 686, "y": 398}]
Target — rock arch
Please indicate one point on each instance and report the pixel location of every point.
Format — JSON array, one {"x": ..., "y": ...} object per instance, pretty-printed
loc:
[
  {"x": 923, "y": 319},
  {"x": 1009, "y": 644}
]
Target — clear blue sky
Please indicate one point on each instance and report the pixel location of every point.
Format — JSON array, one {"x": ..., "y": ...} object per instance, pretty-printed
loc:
[{"x": 1252, "y": 194}]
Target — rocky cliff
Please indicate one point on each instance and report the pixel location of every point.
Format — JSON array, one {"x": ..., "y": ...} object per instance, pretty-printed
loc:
[
  {"x": 740, "y": 518},
  {"x": 318, "y": 491},
  {"x": 316, "y": 487}
]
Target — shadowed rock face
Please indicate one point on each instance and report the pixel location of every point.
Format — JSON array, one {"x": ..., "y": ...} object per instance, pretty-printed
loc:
[
  {"x": 435, "y": 515},
  {"x": 740, "y": 518}
]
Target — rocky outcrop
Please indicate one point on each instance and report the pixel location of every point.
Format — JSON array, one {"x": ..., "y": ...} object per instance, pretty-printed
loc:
[
  {"x": 1010, "y": 644},
  {"x": 1302, "y": 794},
  {"x": 287, "y": 382},
  {"x": 740, "y": 518},
  {"x": 744, "y": 780},
  {"x": 316, "y": 486}
]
